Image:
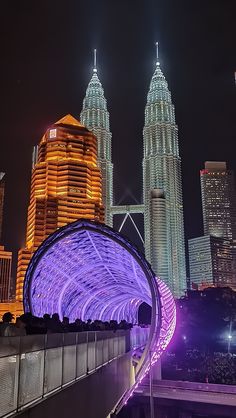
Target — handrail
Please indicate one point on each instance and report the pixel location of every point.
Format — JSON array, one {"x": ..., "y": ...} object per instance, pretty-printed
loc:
[{"x": 34, "y": 366}]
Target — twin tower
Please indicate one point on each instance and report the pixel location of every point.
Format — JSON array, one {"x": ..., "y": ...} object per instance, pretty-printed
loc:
[{"x": 72, "y": 179}]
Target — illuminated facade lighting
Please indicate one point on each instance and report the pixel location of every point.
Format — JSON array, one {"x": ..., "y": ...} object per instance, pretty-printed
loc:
[
  {"x": 162, "y": 171},
  {"x": 218, "y": 200},
  {"x": 87, "y": 270},
  {"x": 5, "y": 256},
  {"x": 2, "y": 191},
  {"x": 95, "y": 117},
  {"x": 5, "y": 274},
  {"x": 65, "y": 186},
  {"x": 211, "y": 262}
]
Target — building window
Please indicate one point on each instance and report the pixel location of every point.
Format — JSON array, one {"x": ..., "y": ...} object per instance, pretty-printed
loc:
[{"x": 52, "y": 133}]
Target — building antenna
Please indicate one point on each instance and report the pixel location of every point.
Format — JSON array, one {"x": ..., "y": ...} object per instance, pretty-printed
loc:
[
  {"x": 157, "y": 61},
  {"x": 95, "y": 61}
]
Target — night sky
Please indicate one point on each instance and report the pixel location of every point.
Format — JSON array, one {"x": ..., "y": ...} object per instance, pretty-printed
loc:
[{"x": 46, "y": 64}]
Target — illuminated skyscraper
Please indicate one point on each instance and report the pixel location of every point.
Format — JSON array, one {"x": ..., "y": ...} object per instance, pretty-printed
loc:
[
  {"x": 2, "y": 191},
  {"x": 218, "y": 200},
  {"x": 5, "y": 256},
  {"x": 211, "y": 261},
  {"x": 95, "y": 117},
  {"x": 65, "y": 186},
  {"x": 163, "y": 209}
]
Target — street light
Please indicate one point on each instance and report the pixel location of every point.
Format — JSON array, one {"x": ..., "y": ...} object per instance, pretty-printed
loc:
[{"x": 229, "y": 341}]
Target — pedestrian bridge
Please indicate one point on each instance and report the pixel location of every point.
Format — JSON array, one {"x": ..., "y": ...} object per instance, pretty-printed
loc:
[
  {"x": 87, "y": 270},
  {"x": 98, "y": 364},
  {"x": 207, "y": 393}
]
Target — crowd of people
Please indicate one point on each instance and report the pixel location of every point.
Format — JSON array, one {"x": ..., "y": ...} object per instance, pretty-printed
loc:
[{"x": 27, "y": 324}]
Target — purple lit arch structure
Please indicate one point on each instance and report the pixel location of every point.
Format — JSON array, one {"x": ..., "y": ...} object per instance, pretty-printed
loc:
[{"x": 87, "y": 270}]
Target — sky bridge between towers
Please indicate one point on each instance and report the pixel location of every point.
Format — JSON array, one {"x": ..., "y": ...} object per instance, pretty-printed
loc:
[
  {"x": 124, "y": 209},
  {"x": 127, "y": 211}
]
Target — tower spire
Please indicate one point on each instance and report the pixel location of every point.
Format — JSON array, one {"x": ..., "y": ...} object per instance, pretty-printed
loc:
[
  {"x": 95, "y": 117},
  {"x": 94, "y": 60},
  {"x": 162, "y": 186},
  {"x": 157, "y": 51}
]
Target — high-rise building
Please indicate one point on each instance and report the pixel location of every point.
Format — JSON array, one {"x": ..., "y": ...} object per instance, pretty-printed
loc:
[
  {"x": 211, "y": 261},
  {"x": 158, "y": 232},
  {"x": 2, "y": 191},
  {"x": 218, "y": 200},
  {"x": 65, "y": 186},
  {"x": 5, "y": 274},
  {"x": 162, "y": 170},
  {"x": 5, "y": 256},
  {"x": 95, "y": 117}
]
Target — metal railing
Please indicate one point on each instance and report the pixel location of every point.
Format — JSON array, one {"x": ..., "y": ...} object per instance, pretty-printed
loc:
[
  {"x": 195, "y": 386},
  {"x": 139, "y": 336},
  {"x": 34, "y": 366}
]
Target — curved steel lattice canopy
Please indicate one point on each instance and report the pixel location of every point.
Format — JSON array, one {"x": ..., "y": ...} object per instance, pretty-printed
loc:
[{"x": 87, "y": 270}]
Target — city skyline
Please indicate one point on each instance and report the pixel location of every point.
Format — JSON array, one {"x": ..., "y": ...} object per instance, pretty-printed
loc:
[
  {"x": 186, "y": 74},
  {"x": 134, "y": 133}
]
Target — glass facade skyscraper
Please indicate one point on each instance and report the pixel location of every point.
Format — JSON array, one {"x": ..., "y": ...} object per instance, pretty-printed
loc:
[
  {"x": 218, "y": 200},
  {"x": 162, "y": 187},
  {"x": 212, "y": 257},
  {"x": 95, "y": 117},
  {"x": 210, "y": 262}
]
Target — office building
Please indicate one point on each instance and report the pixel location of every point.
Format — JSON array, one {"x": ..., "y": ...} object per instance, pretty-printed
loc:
[
  {"x": 5, "y": 256},
  {"x": 210, "y": 262},
  {"x": 65, "y": 186},
  {"x": 158, "y": 232},
  {"x": 95, "y": 117},
  {"x": 2, "y": 191},
  {"x": 5, "y": 274},
  {"x": 162, "y": 170},
  {"x": 218, "y": 200}
]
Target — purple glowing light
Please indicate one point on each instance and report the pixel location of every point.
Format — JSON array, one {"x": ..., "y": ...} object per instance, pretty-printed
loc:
[
  {"x": 89, "y": 271},
  {"x": 159, "y": 343}
]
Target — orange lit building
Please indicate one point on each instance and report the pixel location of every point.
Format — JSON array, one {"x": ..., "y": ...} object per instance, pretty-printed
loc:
[
  {"x": 5, "y": 256},
  {"x": 2, "y": 191},
  {"x": 65, "y": 186}
]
